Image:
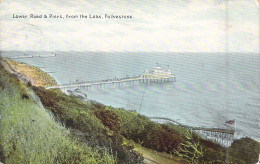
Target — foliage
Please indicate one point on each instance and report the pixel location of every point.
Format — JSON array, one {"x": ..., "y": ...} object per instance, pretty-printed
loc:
[
  {"x": 161, "y": 138},
  {"x": 246, "y": 150},
  {"x": 76, "y": 114},
  {"x": 109, "y": 119},
  {"x": 214, "y": 155},
  {"x": 29, "y": 134},
  {"x": 191, "y": 151},
  {"x": 149, "y": 134}
]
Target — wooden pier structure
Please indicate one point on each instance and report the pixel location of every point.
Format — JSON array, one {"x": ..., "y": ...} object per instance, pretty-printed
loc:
[
  {"x": 114, "y": 81},
  {"x": 223, "y": 137},
  {"x": 32, "y": 56}
]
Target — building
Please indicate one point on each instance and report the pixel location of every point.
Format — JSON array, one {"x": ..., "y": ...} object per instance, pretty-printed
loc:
[{"x": 157, "y": 72}]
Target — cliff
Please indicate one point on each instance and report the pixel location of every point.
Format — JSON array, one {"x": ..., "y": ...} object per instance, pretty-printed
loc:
[
  {"x": 27, "y": 73},
  {"x": 29, "y": 133}
]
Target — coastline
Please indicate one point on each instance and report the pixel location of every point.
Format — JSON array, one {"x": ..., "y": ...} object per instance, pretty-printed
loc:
[{"x": 28, "y": 74}]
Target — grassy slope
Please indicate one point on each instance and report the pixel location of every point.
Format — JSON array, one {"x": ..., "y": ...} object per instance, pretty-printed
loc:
[
  {"x": 29, "y": 134},
  {"x": 78, "y": 115},
  {"x": 33, "y": 74}
]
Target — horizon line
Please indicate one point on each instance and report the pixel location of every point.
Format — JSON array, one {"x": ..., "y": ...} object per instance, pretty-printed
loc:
[{"x": 129, "y": 51}]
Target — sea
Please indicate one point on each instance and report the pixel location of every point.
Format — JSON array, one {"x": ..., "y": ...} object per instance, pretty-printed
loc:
[{"x": 210, "y": 88}]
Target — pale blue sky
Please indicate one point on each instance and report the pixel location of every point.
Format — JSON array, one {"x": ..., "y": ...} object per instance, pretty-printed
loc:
[{"x": 158, "y": 25}]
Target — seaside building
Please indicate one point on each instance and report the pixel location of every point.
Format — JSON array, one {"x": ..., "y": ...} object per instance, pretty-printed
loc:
[{"x": 157, "y": 72}]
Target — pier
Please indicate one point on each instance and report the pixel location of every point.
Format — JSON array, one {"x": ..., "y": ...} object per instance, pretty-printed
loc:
[
  {"x": 157, "y": 74},
  {"x": 223, "y": 137},
  {"x": 33, "y": 56},
  {"x": 119, "y": 81}
]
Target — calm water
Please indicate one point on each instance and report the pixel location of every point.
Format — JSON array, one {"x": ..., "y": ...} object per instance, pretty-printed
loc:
[{"x": 208, "y": 90}]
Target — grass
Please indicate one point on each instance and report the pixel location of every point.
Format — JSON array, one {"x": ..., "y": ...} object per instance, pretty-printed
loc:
[
  {"x": 35, "y": 75},
  {"x": 30, "y": 134}
]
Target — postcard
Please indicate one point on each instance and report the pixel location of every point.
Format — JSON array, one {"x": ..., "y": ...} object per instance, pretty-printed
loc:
[{"x": 154, "y": 81}]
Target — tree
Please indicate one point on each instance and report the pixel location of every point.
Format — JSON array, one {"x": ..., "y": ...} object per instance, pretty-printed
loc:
[{"x": 191, "y": 150}]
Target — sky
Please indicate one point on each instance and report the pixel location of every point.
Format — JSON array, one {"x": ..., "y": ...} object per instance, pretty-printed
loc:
[{"x": 157, "y": 26}]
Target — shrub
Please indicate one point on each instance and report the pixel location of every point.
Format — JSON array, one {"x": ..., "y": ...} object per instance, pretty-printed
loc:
[
  {"x": 191, "y": 151},
  {"x": 149, "y": 134},
  {"x": 97, "y": 105},
  {"x": 91, "y": 119},
  {"x": 109, "y": 119},
  {"x": 246, "y": 150},
  {"x": 25, "y": 96}
]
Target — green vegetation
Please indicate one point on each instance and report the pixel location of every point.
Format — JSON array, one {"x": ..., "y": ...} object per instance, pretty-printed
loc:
[
  {"x": 180, "y": 142},
  {"x": 154, "y": 156},
  {"x": 246, "y": 149},
  {"x": 108, "y": 124},
  {"x": 191, "y": 150},
  {"x": 76, "y": 114},
  {"x": 32, "y": 74},
  {"x": 29, "y": 134},
  {"x": 109, "y": 119},
  {"x": 74, "y": 131},
  {"x": 149, "y": 134}
]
